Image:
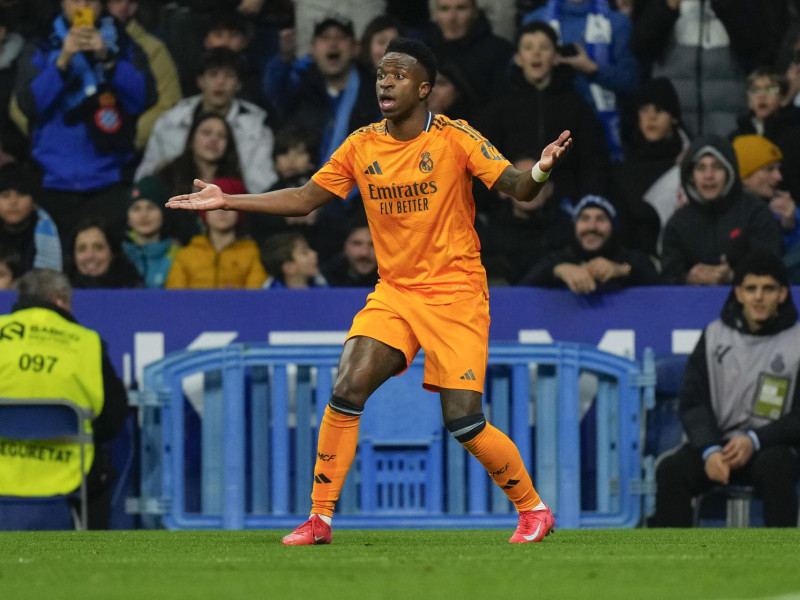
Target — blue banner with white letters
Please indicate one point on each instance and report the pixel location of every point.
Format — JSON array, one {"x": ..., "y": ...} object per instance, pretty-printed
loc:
[{"x": 142, "y": 325}]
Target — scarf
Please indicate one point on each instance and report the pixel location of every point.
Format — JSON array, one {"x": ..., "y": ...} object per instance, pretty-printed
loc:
[
  {"x": 340, "y": 129},
  {"x": 597, "y": 42},
  {"x": 91, "y": 77}
]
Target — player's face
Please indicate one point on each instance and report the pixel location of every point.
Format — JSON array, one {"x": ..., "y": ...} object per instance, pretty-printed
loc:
[
  {"x": 15, "y": 207},
  {"x": 454, "y": 17},
  {"x": 401, "y": 85},
  {"x": 709, "y": 176},
  {"x": 360, "y": 251},
  {"x": 764, "y": 181},
  {"x": 92, "y": 252},
  {"x": 333, "y": 52},
  {"x": 593, "y": 228},
  {"x": 760, "y": 296},
  {"x": 145, "y": 218},
  {"x": 536, "y": 55},
  {"x": 654, "y": 123}
]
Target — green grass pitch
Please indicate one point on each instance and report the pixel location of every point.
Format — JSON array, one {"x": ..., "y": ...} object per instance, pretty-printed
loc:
[{"x": 705, "y": 564}]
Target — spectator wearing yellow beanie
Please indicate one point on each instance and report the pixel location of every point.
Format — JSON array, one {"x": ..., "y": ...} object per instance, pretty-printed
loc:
[{"x": 760, "y": 169}]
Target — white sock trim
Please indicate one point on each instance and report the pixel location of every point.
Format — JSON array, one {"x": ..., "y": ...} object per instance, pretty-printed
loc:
[{"x": 325, "y": 518}]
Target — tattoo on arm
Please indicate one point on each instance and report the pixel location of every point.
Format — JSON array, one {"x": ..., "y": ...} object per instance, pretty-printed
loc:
[{"x": 507, "y": 182}]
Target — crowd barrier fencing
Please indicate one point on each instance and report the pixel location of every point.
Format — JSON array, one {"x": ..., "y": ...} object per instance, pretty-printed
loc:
[{"x": 244, "y": 457}]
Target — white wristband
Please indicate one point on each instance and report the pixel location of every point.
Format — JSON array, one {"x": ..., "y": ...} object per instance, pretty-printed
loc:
[{"x": 538, "y": 175}]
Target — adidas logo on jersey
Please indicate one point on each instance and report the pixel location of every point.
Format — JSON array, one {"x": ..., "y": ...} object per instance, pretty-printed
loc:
[
  {"x": 468, "y": 375},
  {"x": 374, "y": 169}
]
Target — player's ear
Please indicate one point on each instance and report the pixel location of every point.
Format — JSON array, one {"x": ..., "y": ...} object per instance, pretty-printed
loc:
[{"x": 424, "y": 90}]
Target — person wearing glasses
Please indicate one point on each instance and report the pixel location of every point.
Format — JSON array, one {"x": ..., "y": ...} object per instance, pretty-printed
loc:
[{"x": 767, "y": 116}]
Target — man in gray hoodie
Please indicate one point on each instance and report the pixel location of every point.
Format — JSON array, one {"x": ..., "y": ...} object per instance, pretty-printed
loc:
[
  {"x": 738, "y": 402},
  {"x": 704, "y": 238}
]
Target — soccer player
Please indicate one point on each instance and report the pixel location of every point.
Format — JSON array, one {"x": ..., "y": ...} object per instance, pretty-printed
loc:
[{"x": 414, "y": 170}]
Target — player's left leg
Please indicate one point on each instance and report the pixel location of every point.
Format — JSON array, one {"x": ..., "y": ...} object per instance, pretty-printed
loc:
[{"x": 463, "y": 416}]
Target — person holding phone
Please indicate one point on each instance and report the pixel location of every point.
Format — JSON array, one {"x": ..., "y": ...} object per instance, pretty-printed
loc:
[{"x": 81, "y": 87}]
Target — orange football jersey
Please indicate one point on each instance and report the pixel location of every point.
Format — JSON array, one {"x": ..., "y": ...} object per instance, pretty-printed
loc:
[{"x": 418, "y": 199}]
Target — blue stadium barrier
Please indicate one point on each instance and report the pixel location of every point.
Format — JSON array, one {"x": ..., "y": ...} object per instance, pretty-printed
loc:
[{"x": 245, "y": 459}]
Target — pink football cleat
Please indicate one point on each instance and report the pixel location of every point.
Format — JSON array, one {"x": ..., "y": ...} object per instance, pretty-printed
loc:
[
  {"x": 314, "y": 531},
  {"x": 533, "y": 526}
]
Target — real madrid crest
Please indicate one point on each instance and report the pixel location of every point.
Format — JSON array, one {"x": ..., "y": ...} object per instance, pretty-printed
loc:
[{"x": 426, "y": 164}]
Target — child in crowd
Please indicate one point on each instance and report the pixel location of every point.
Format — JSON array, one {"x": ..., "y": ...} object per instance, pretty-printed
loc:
[
  {"x": 767, "y": 89},
  {"x": 96, "y": 258},
  {"x": 148, "y": 246},
  {"x": 24, "y": 226},
  {"x": 222, "y": 257},
  {"x": 291, "y": 262},
  {"x": 10, "y": 268},
  {"x": 292, "y": 154}
]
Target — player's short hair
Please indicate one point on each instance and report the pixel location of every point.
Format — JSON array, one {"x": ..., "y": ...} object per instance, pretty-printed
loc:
[{"x": 418, "y": 50}]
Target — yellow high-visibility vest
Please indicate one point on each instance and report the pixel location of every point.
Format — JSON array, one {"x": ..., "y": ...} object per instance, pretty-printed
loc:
[{"x": 43, "y": 355}]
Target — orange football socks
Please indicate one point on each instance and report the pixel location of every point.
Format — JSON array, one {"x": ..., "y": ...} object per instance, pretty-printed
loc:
[
  {"x": 338, "y": 439},
  {"x": 501, "y": 458}
]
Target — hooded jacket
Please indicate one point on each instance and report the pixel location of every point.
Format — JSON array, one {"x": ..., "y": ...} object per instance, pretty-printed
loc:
[
  {"x": 722, "y": 377},
  {"x": 705, "y": 231}
]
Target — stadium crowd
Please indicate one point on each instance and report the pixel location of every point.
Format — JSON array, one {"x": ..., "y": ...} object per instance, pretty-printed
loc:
[{"x": 685, "y": 116}]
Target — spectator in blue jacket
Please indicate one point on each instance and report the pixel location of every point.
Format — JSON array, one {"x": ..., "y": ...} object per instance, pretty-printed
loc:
[
  {"x": 148, "y": 245},
  {"x": 81, "y": 88},
  {"x": 595, "y": 43}
]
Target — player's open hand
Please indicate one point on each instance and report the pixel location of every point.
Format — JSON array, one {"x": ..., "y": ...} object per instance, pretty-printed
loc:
[
  {"x": 554, "y": 151},
  {"x": 210, "y": 197}
]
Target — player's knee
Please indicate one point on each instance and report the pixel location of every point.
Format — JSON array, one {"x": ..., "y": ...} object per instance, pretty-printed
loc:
[
  {"x": 466, "y": 428},
  {"x": 345, "y": 407}
]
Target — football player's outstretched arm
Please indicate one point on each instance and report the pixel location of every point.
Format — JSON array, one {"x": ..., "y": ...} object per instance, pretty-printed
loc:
[
  {"x": 289, "y": 202},
  {"x": 524, "y": 185}
]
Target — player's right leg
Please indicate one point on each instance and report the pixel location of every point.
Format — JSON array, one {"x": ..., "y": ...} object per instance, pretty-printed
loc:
[{"x": 364, "y": 365}]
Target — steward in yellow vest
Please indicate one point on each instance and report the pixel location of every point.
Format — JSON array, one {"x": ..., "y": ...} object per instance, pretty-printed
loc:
[{"x": 44, "y": 353}]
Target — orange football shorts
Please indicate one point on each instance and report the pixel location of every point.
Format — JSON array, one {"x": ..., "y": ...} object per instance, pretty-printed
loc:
[{"x": 454, "y": 336}]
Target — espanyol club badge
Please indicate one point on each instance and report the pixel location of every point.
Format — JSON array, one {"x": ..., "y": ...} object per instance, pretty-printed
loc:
[{"x": 107, "y": 117}]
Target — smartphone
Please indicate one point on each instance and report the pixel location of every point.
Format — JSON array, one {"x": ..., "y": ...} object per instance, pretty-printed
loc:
[
  {"x": 568, "y": 50},
  {"x": 83, "y": 17}
]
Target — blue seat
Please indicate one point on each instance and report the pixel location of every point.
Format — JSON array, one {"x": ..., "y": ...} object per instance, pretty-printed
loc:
[
  {"x": 44, "y": 419},
  {"x": 664, "y": 430},
  {"x": 400, "y": 448}
]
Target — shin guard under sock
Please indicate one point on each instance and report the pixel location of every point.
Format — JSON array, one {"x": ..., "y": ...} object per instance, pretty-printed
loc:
[
  {"x": 336, "y": 448},
  {"x": 501, "y": 458}
]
